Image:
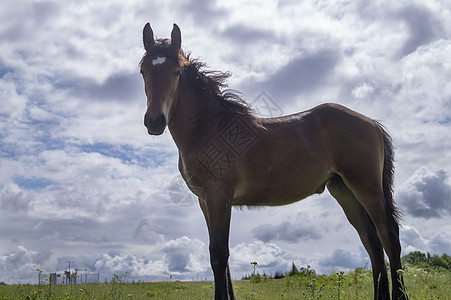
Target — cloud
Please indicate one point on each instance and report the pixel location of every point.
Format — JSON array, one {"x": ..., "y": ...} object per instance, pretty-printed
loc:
[
  {"x": 14, "y": 200},
  {"x": 203, "y": 12},
  {"x": 441, "y": 242},
  {"x": 341, "y": 259},
  {"x": 118, "y": 264},
  {"x": 242, "y": 34},
  {"x": 13, "y": 103},
  {"x": 185, "y": 255},
  {"x": 121, "y": 86},
  {"x": 144, "y": 232},
  {"x": 412, "y": 239},
  {"x": 285, "y": 231},
  {"x": 426, "y": 194},
  {"x": 433, "y": 242},
  {"x": 21, "y": 264},
  {"x": 269, "y": 257},
  {"x": 423, "y": 27},
  {"x": 181, "y": 256},
  {"x": 302, "y": 74}
]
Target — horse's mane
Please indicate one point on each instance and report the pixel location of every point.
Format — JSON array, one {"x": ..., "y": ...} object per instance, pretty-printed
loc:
[
  {"x": 206, "y": 81},
  {"x": 214, "y": 82}
]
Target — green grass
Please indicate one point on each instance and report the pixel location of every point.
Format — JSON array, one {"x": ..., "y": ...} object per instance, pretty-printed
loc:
[{"x": 357, "y": 284}]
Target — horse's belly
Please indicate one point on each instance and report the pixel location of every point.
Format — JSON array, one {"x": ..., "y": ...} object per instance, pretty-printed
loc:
[{"x": 274, "y": 195}]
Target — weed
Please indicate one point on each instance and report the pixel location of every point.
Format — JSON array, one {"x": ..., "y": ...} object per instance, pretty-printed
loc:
[
  {"x": 340, "y": 279},
  {"x": 314, "y": 291},
  {"x": 117, "y": 284},
  {"x": 401, "y": 281}
]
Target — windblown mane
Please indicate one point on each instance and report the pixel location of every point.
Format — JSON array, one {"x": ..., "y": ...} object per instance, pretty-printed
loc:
[{"x": 212, "y": 82}]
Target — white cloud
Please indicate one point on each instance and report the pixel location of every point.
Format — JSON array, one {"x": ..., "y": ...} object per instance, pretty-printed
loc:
[
  {"x": 286, "y": 231},
  {"x": 14, "y": 200},
  {"x": 413, "y": 239},
  {"x": 269, "y": 257},
  {"x": 180, "y": 257},
  {"x": 144, "y": 232},
  {"x": 363, "y": 91},
  {"x": 136, "y": 266},
  {"x": 434, "y": 242},
  {"x": 343, "y": 260},
  {"x": 426, "y": 194},
  {"x": 21, "y": 264},
  {"x": 441, "y": 243},
  {"x": 425, "y": 93},
  {"x": 185, "y": 255}
]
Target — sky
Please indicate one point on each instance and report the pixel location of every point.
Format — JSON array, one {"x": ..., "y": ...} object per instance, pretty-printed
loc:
[{"x": 81, "y": 181}]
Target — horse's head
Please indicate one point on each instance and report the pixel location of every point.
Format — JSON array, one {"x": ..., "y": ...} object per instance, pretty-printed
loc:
[{"x": 161, "y": 68}]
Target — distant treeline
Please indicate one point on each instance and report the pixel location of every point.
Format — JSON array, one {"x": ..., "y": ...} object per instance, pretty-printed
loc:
[
  {"x": 427, "y": 260},
  {"x": 415, "y": 258},
  {"x": 278, "y": 275}
]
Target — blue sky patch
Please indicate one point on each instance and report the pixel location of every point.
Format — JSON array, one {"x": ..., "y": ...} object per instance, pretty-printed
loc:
[
  {"x": 127, "y": 154},
  {"x": 33, "y": 183}
]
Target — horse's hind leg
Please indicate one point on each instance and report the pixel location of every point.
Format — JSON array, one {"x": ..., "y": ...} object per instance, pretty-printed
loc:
[
  {"x": 359, "y": 218},
  {"x": 372, "y": 199}
]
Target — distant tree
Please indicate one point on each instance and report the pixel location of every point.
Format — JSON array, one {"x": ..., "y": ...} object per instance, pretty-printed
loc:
[
  {"x": 279, "y": 275},
  {"x": 427, "y": 260},
  {"x": 447, "y": 261},
  {"x": 294, "y": 270},
  {"x": 443, "y": 261},
  {"x": 266, "y": 276},
  {"x": 415, "y": 257},
  {"x": 246, "y": 277},
  {"x": 307, "y": 271}
]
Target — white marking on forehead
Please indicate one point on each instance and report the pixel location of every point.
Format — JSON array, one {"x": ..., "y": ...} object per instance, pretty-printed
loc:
[{"x": 158, "y": 61}]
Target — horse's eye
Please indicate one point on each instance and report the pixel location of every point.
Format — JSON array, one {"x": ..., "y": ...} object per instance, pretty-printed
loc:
[
  {"x": 142, "y": 72},
  {"x": 177, "y": 73}
]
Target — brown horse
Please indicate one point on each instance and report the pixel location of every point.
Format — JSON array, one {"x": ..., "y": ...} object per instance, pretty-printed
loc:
[{"x": 229, "y": 157}]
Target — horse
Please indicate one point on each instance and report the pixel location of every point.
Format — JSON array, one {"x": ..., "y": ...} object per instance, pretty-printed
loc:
[{"x": 230, "y": 157}]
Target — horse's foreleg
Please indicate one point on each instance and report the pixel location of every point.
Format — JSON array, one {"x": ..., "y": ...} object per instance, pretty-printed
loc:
[{"x": 217, "y": 211}]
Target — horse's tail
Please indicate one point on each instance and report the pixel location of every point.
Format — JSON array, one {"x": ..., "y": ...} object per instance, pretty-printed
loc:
[{"x": 388, "y": 174}]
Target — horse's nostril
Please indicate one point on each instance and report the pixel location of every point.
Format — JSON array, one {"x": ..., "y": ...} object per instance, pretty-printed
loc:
[
  {"x": 146, "y": 120},
  {"x": 155, "y": 125}
]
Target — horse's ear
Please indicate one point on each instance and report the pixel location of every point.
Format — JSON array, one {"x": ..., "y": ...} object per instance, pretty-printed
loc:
[
  {"x": 176, "y": 39},
  {"x": 148, "y": 40}
]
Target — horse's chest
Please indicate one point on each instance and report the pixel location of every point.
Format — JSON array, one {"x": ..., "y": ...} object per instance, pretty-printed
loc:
[{"x": 214, "y": 163}]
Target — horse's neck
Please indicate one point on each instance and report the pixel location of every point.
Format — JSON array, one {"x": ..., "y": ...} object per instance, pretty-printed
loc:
[{"x": 194, "y": 115}]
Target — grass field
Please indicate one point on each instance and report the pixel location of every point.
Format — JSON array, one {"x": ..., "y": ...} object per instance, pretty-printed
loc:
[{"x": 357, "y": 284}]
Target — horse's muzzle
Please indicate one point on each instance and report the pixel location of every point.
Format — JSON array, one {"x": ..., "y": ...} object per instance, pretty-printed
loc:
[{"x": 155, "y": 125}]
